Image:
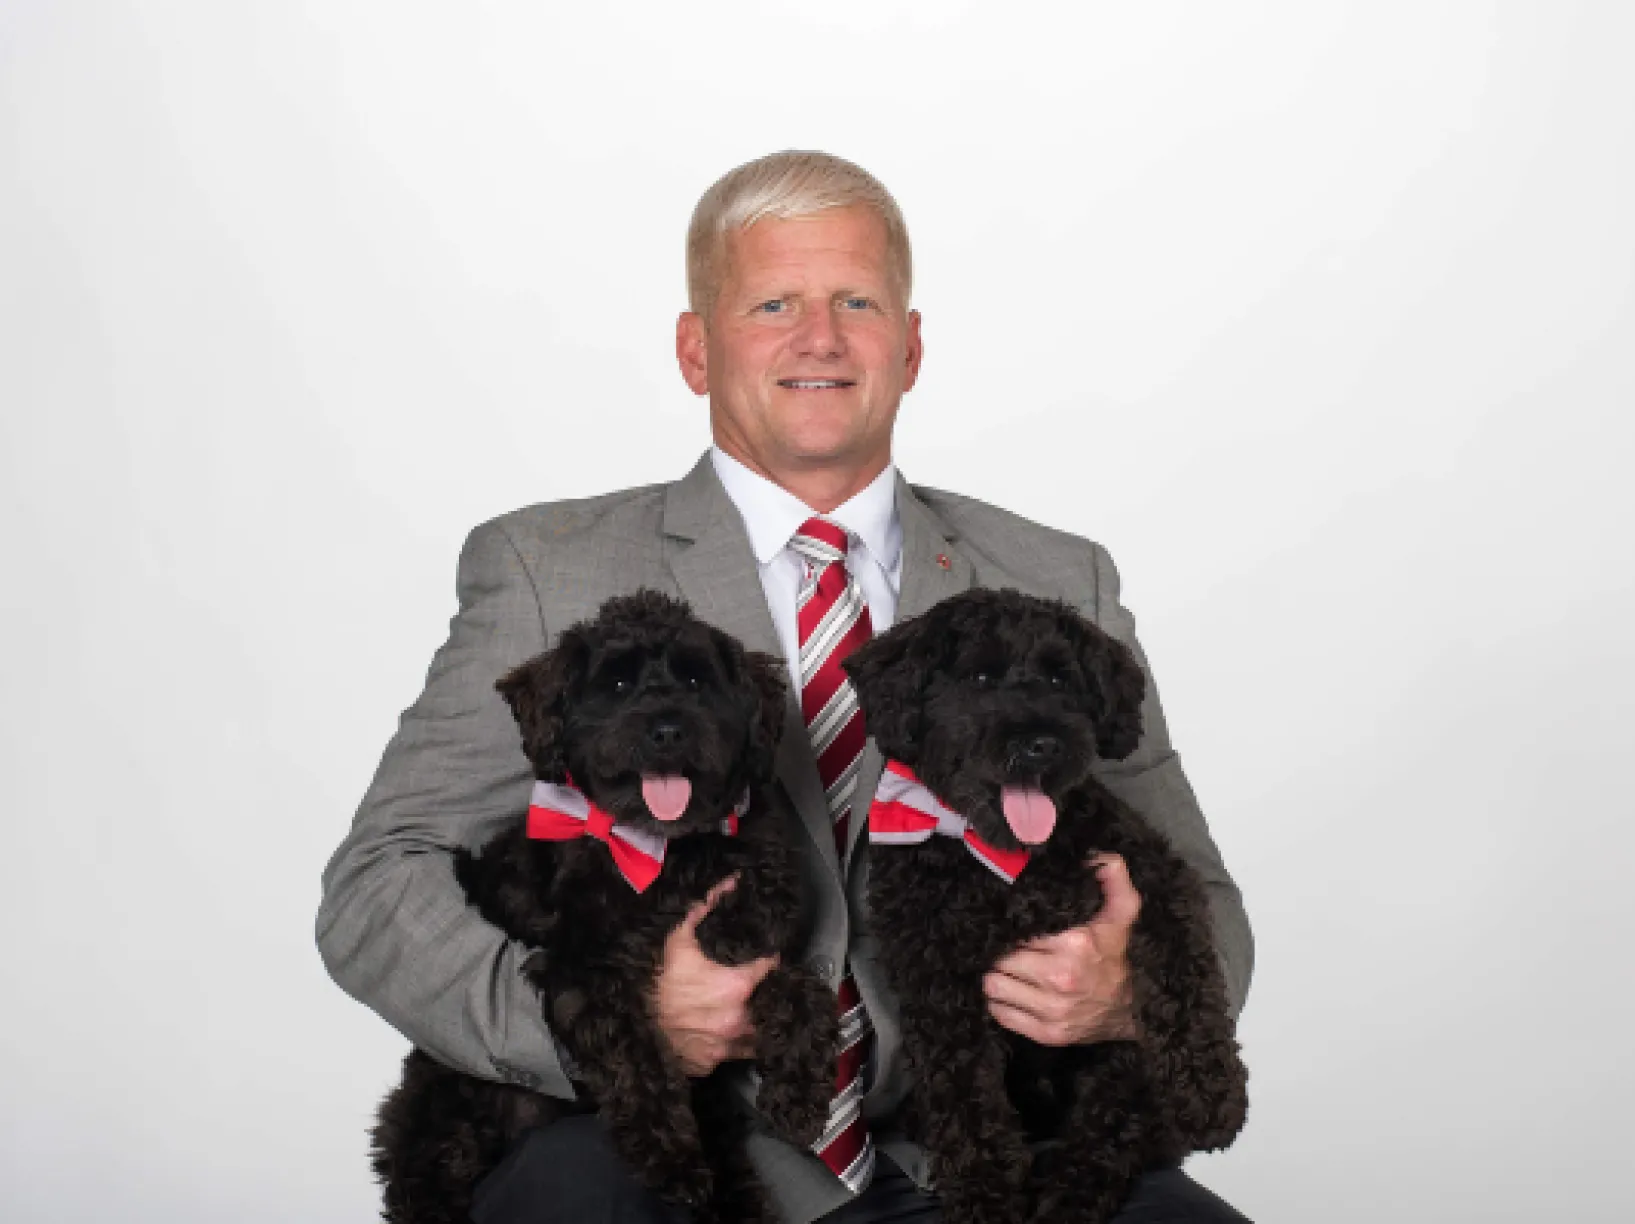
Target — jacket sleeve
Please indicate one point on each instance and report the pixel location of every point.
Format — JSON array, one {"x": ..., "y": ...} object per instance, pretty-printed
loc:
[
  {"x": 1151, "y": 781},
  {"x": 394, "y": 928}
]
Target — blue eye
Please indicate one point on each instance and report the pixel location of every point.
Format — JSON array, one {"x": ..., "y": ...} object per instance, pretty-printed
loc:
[
  {"x": 773, "y": 307},
  {"x": 858, "y": 303}
]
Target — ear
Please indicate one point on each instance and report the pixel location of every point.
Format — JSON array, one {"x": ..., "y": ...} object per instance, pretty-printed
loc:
[
  {"x": 765, "y": 674},
  {"x": 1119, "y": 685},
  {"x": 538, "y": 693},
  {"x": 916, "y": 351},
  {"x": 693, "y": 352},
  {"x": 760, "y": 678},
  {"x": 889, "y": 673}
]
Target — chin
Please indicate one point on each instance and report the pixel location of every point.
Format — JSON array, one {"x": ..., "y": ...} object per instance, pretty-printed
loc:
[{"x": 817, "y": 442}]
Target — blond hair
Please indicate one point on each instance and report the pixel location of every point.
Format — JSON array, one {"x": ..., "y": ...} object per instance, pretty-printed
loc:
[{"x": 793, "y": 183}]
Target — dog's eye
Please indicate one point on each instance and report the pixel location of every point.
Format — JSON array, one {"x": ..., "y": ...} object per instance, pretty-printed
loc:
[
  {"x": 692, "y": 684},
  {"x": 621, "y": 686},
  {"x": 983, "y": 679},
  {"x": 1056, "y": 680}
]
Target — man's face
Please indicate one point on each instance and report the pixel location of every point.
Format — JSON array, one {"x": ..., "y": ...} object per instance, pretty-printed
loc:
[{"x": 809, "y": 347}]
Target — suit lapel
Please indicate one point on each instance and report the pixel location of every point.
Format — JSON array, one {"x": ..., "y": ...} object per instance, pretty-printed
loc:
[
  {"x": 932, "y": 571},
  {"x": 709, "y": 554}
]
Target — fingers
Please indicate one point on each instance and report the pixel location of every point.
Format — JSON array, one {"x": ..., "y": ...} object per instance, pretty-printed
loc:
[
  {"x": 701, "y": 1054},
  {"x": 723, "y": 991},
  {"x": 720, "y": 890},
  {"x": 1038, "y": 965},
  {"x": 1074, "y": 985},
  {"x": 1046, "y": 1033},
  {"x": 700, "y": 1005},
  {"x": 755, "y": 970},
  {"x": 1096, "y": 1009},
  {"x": 1121, "y": 904},
  {"x": 706, "y": 1038},
  {"x": 1105, "y": 1024},
  {"x": 1103, "y": 938},
  {"x": 1016, "y": 994},
  {"x": 701, "y": 909}
]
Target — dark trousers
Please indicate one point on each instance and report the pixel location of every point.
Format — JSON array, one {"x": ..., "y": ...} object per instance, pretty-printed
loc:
[{"x": 569, "y": 1172}]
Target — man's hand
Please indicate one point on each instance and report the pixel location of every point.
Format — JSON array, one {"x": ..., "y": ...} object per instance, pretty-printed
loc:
[
  {"x": 701, "y": 1006},
  {"x": 1073, "y": 988}
]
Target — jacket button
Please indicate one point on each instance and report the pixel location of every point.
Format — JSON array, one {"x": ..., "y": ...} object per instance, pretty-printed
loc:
[{"x": 822, "y": 966}]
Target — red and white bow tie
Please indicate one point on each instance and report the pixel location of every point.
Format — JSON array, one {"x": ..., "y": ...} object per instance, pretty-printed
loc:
[
  {"x": 558, "y": 812},
  {"x": 906, "y": 813}
]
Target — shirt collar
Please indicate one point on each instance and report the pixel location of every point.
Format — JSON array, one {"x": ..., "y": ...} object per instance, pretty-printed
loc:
[{"x": 772, "y": 513}]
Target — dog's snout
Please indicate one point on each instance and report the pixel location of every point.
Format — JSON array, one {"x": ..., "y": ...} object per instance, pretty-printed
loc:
[
  {"x": 1041, "y": 749},
  {"x": 665, "y": 733}
]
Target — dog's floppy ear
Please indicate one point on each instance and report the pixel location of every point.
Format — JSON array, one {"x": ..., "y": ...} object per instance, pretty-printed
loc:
[
  {"x": 537, "y": 692},
  {"x": 766, "y": 675},
  {"x": 1119, "y": 685},
  {"x": 761, "y": 677},
  {"x": 889, "y": 673}
]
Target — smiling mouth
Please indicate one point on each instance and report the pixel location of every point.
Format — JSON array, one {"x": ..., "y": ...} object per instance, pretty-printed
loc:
[{"x": 816, "y": 384}]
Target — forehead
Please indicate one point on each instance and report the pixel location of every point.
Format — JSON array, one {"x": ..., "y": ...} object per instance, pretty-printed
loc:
[
  {"x": 836, "y": 245},
  {"x": 652, "y": 640},
  {"x": 1027, "y": 634}
]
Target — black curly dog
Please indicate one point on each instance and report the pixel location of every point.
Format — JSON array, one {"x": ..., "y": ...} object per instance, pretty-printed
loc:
[
  {"x": 999, "y": 702},
  {"x": 651, "y": 713}
]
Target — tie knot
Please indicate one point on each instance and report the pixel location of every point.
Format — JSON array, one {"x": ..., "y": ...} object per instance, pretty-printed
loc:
[{"x": 820, "y": 541}]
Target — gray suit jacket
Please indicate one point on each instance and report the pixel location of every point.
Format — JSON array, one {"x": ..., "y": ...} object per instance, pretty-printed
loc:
[{"x": 394, "y": 928}]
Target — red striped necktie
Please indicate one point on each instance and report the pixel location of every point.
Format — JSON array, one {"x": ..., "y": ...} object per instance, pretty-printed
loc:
[{"x": 834, "y": 621}]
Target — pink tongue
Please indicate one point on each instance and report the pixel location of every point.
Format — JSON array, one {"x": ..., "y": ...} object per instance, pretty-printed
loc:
[
  {"x": 666, "y": 796},
  {"x": 1029, "y": 812}
]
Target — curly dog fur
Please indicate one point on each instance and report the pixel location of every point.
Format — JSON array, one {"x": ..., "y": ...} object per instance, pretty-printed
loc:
[
  {"x": 645, "y": 688},
  {"x": 992, "y": 689}
]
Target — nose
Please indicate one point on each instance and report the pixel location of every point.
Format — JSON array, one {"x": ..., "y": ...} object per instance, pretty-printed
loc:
[
  {"x": 665, "y": 733},
  {"x": 820, "y": 335},
  {"x": 1041, "y": 750}
]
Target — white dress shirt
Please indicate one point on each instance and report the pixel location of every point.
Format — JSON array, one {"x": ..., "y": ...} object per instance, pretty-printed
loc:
[{"x": 772, "y": 515}]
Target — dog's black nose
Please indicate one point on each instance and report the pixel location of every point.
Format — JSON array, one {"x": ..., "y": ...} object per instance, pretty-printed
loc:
[
  {"x": 665, "y": 733},
  {"x": 1041, "y": 749}
]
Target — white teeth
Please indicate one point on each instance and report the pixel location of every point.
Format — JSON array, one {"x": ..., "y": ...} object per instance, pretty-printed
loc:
[{"x": 814, "y": 384}]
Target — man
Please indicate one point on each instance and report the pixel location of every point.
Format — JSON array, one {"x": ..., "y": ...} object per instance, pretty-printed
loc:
[{"x": 800, "y": 334}]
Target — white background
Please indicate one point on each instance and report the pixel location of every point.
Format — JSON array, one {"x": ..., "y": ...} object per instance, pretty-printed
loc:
[{"x": 1320, "y": 315}]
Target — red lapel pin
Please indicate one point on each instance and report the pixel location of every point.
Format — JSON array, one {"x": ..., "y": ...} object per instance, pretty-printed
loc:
[{"x": 942, "y": 560}]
